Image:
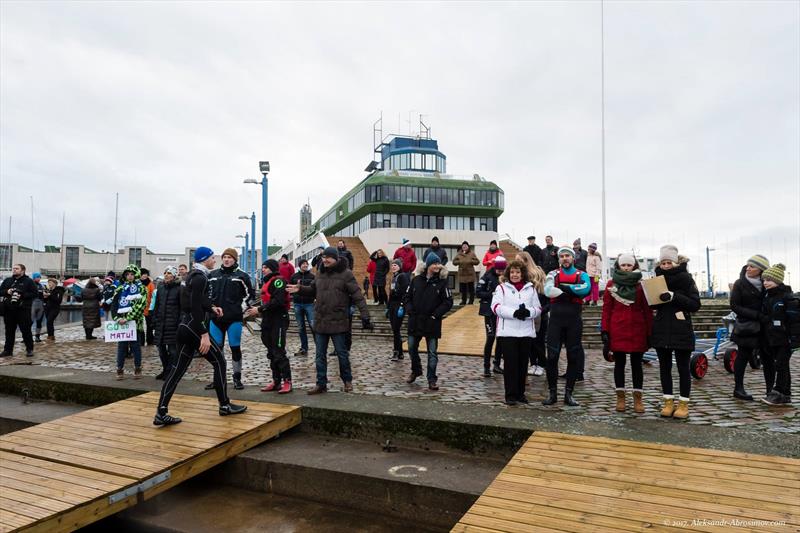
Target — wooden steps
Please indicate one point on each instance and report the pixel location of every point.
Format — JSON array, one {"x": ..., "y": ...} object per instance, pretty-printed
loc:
[
  {"x": 67, "y": 473},
  {"x": 559, "y": 482}
]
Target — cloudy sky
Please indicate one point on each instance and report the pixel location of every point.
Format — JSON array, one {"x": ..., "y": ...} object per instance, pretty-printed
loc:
[{"x": 173, "y": 104}]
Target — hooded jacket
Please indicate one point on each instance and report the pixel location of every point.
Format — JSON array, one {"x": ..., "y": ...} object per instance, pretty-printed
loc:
[
  {"x": 130, "y": 299},
  {"x": 90, "y": 307},
  {"x": 488, "y": 257},
  {"x": 232, "y": 290},
  {"x": 426, "y": 303},
  {"x": 746, "y": 302},
  {"x": 672, "y": 325},
  {"x": 485, "y": 291},
  {"x": 382, "y": 266},
  {"x": 505, "y": 302},
  {"x": 334, "y": 289},
  {"x": 167, "y": 312},
  {"x": 774, "y": 313},
  {"x": 408, "y": 257},
  {"x": 466, "y": 263},
  {"x": 302, "y": 278}
]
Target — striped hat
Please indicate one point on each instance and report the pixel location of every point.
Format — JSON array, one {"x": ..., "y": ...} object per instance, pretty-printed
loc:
[
  {"x": 774, "y": 273},
  {"x": 759, "y": 261}
]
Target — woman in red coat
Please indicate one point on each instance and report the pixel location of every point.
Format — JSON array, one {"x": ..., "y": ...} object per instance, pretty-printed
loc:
[{"x": 627, "y": 322}]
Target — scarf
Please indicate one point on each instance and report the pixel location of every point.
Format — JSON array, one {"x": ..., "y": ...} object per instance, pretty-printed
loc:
[
  {"x": 625, "y": 283},
  {"x": 130, "y": 292},
  {"x": 519, "y": 285},
  {"x": 755, "y": 282}
]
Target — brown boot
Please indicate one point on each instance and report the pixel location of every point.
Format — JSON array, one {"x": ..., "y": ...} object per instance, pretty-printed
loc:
[
  {"x": 683, "y": 408},
  {"x": 120, "y": 374},
  {"x": 638, "y": 405},
  {"x": 137, "y": 373},
  {"x": 51, "y": 338},
  {"x": 620, "y": 400},
  {"x": 348, "y": 386},
  {"x": 318, "y": 389},
  {"x": 413, "y": 377},
  {"x": 669, "y": 406}
]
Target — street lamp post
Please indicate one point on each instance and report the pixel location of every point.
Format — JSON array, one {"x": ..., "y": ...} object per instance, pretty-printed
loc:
[
  {"x": 252, "y": 266},
  {"x": 264, "y": 168},
  {"x": 708, "y": 271},
  {"x": 245, "y": 255}
]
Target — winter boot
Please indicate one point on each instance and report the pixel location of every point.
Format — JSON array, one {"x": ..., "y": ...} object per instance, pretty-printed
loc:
[
  {"x": 286, "y": 388},
  {"x": 137, "y": 373},
  {"x": 231, "y": 409},
  {"x": 237, "y": 381},
  {"x": 51, "y": 338},
  {"x": 569, "y": 400},
  {"x": 620, "y": 400},
  {"x": 272, "y": 386},
  {"x": 638, "y": 405},
  {"x": 496, "y": 369},
  {"x": 552, "y": 398},
  {"x": 38, "y": 337},
  {"x": 395, "y": 355},
  {"x": 120, "y": 374},
  {"x": 669, "y": 406},
  {"x": 487, "y": 372},
  {"x": 683, "y": 408},
  {"x": 741, "y": 394}
]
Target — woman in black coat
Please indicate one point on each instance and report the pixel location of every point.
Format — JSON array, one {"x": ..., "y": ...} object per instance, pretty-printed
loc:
[
  {"x": 776, "y": 345},
  {"x": 395, "y": 308},
  {"x": 747, "y": 296},
  {"x": 672, "y": 329},
  {"x": 90, "y": 296},
  {"x": 53, "y": 296},
  {"x": 382, "y": 266},
  {"x": 167, "y": 314}
]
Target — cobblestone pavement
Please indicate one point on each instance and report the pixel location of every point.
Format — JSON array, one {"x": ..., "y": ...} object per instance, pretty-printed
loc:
[{"x": 460, "y": 379}]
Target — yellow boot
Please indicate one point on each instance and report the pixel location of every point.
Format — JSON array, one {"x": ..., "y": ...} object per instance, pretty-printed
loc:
[
  {"x": 683, "y": 408},
  {"x": 669, "y": 406},
  {"x": 638, "y": 406},
  {"x": 620, "y": 400}
]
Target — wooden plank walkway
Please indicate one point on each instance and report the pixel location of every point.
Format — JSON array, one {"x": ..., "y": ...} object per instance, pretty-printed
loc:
[
  {"x": 463, "y": 333},
  {"x": 68, "y": 473},
  {"x": 559, "y": 482}
]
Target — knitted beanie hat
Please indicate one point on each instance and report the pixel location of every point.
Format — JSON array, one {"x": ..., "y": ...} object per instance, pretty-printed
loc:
[
  {"x": 272, "y": 265},
  {"x": 774, "y": 273},
  {"x": 576, "y": 242},
  {"x": 399, "y": 263},
  {"x": 171, "y": 270},
  {"x": 668, "y": 252},
  {"x": 759, "y": 261},
  {"x": 432, "y": 259},
  {"x": 330, "y": 251},
  {"x": 405, "y": 241},
  {"x": 499, "y": 263},
  {"x": 202, "y": 253},
  {"x": 593, "y": 246},
  {"x": 231, "y": 252},
  {"x": 566, "y": 250},
  {"x": 626, "y": 259}
]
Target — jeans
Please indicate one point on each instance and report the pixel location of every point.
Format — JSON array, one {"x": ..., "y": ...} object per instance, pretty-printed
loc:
[
  {"x": 122, "y": 351},
  {"x": 303, "y": 312},
  {"x": 433, "y": 357},
  {"x": 342, "y": 352}
]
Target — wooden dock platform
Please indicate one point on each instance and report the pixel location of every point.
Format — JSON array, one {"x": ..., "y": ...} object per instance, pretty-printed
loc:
[
  {"x": 70, "y": 472},
  {"x": 559, "y": 482},
  {"x": 463, "y": 333}
]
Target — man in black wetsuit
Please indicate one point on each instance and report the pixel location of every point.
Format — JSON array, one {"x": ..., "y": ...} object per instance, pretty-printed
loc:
[{"x": 193, "y": 337}]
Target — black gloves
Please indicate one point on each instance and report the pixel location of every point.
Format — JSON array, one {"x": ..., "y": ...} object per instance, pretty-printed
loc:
[
  {"x": 366, "y": 323},
  {"x": 566, "y": 289},
  {"x": 605, "y": 338},
  {"x": 665, "y": 296},
  {"x": 522, "y": 313}
]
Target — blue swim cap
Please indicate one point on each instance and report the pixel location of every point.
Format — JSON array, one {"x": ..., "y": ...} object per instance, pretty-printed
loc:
[{"x": 36, "y": 275}]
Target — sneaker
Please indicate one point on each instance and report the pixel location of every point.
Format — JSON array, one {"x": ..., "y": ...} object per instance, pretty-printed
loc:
[
  {"x": 487, "y": 373},
  {"x": 395, "y": 355},
  {"x": 412, "y": 377},
  {"x": 318, "y": 389},
  {"x": 237, "y": 384},
  {"x": 301, "y": 353},
  {"x": 272, "y": 386},
  {"x": 775, "y": 398},
  {"x": 165, "y": 420},
  {"x": 496, "y": 369},
  {"x": 348, "y": 386},
  {"x": 286, "y": 388},
  {"x": 231, "y": 409},
  {"x": 523, "y": 399},
  {"x": 209, "y": 386},
  {"x": 120, "y": 374},
  {"x": 509, "y": 402},
  {"x": 5, "y": 354},
  {"x": 29, "y": 353},
  {"x": 137, "y": 373},
  {"x": 537, "y": 370},
  {"x": 432, "y": 385}
]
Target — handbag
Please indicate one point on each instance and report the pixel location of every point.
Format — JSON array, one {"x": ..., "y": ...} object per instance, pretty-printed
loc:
[{"x": 746, "y": 328}]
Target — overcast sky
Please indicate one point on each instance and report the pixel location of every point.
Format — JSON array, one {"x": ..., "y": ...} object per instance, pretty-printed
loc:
[{"x": 173, "y": 104}]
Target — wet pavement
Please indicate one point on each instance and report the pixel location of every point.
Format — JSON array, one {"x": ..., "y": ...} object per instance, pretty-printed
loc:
[{"x": 460, "y": 380}]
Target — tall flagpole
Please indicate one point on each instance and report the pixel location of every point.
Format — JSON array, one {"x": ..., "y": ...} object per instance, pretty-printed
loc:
[{"x": 603, "y": 133}]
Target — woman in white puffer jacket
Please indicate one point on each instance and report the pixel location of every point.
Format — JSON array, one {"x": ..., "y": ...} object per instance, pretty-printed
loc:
[{"x": 516, "y": 305}]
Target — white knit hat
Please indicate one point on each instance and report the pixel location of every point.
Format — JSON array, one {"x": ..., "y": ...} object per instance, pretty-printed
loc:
[
  {"x": 626, "y": 259},
  {"x": 668, "y": 252}
]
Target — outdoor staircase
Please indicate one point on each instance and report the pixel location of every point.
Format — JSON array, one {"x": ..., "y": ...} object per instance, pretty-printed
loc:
[
  {"x": 361, "y": 260},
  {"x": 509, "y": 249}
]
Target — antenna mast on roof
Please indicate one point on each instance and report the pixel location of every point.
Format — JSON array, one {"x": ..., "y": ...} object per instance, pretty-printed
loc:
[{"x": 424, "y": 128}]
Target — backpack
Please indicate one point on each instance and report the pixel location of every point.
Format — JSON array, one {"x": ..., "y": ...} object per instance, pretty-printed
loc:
[{"x": 791, "y": 307}]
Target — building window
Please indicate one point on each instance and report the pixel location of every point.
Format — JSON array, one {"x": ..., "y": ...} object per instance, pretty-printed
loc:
[
  {"x": 135, "y": 257},
  {"x": 439, "y": 222},
  {"x": 71, "y": 258},
  {"x": 5, "y": 256}
]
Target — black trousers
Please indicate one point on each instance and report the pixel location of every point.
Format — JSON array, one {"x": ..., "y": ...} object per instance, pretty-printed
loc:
[
  {"x": 490, "y": 323},
  {"x": 564, "y": 329},
  {"x": 51, "y": 313},
  {"x": 397, "y": 325},
  {"x": 188, "y": 344},
  {"x": 273, "y": 336},
  {"x": 380, "y": 294},
  {"x": 768, "y": 366},
  {"x": 168, "y": 353},
  {"x": 682, "y": 359},
  {"x": 539, "y": 346},
  {"x": 149, "y": 332},
  {"x": 467, "y": 289},
  {"x": 778, "y": 360},
  {"x": 637, "y": 373},
  {"x": 18, "y": 318},
  {"x": 740, "y": 366},
  {"x": 516, "y": 351}
]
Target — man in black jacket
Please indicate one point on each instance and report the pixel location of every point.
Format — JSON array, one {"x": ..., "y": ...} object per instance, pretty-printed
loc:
[
  {"x": 231, "y": 290},
  {"x": 344, "y": 252},
  {"x": 303, "y": 306},
  {"x": 436, "y": 249},
  {"x": 18, "y": 291},
  {"x": 549, "y": 255},
  {"x": 426, "y": 303},
  {"x": 485, "y": 290},
  {"x": 534, "y": 250},
  {"x": 193, "y": 337}
]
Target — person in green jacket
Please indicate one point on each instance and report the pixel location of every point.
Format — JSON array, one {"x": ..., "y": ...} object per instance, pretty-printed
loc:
[{"x": 128, "y": 305}]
